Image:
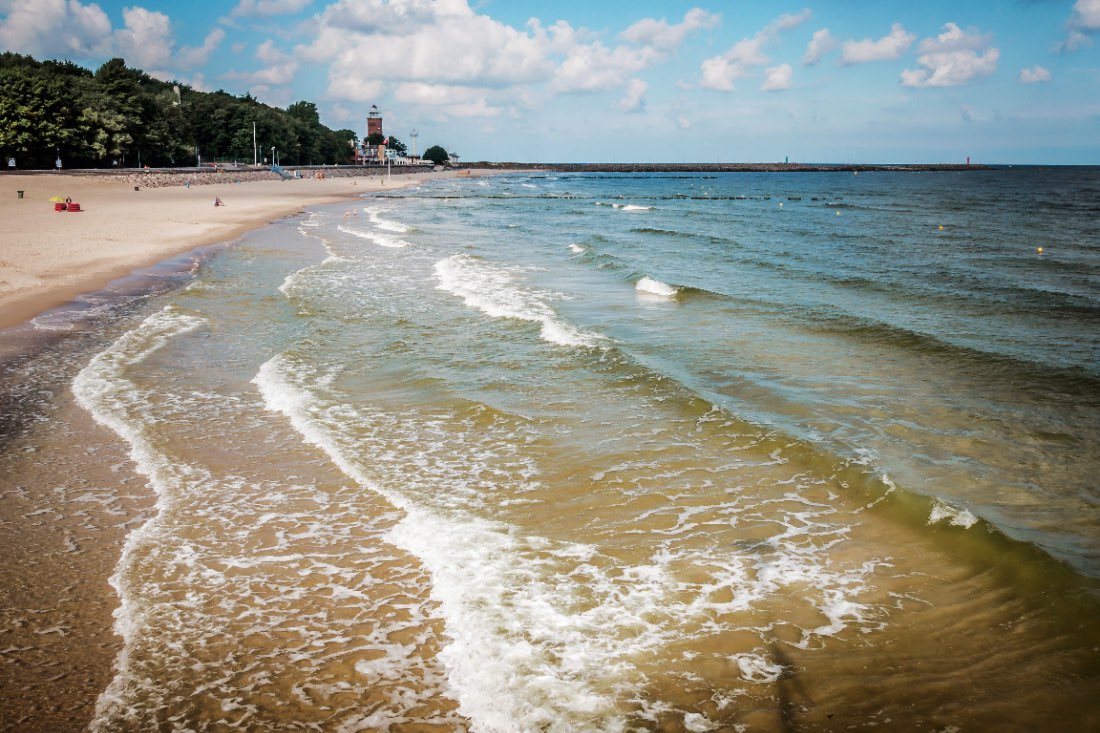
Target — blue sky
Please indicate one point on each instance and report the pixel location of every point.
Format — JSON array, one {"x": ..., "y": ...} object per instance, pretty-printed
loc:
[{"x": 857, "y": 81}]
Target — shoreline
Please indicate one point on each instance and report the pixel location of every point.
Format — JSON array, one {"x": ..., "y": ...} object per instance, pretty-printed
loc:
[
  {"x": 137, "y": 220},
  {"x": 66, "y": 518}
]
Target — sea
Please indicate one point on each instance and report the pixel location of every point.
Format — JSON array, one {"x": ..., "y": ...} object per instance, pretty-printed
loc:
[{"x": 560, "y": 452}]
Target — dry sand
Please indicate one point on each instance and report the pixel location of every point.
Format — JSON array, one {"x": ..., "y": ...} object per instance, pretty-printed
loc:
[{"x": 48, "y": 257}]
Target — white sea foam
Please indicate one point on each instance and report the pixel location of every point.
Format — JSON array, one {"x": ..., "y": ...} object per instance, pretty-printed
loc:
[
  {"x": 382, "y": 240},
  {"x": 498, "y": 292},
  {"x": 544, "y": 634},
  {"x": 103, "y": 390},
  {"x": 943, "y": 512},
  {"x": 505, "y": 603},
  {"x": 54, "y": 322},
  {"x": 649, "y": 286},
  {"x": 755, "y": 668},
  {"x": 625, "y": 207},
  {"x": 576, "y": 248},
  {"x": 291, "y": 280},
  {"x": 374, "y": 214}
]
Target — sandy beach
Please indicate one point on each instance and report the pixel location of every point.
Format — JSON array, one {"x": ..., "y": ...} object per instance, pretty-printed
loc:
[
  {"x": 47, "y": 257},
  {"x": 62, "y": 525}
]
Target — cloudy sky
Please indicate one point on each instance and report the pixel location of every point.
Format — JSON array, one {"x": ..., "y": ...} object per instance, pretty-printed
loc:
[{"x": 1015, "y": 81}]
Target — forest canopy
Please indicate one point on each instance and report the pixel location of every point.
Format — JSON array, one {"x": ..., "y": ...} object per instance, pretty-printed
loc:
[{"x": 118, "y": 116}]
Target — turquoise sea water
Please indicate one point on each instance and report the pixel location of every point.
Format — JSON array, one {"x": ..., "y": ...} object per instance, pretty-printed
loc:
[{"x": 549, "y": 452}]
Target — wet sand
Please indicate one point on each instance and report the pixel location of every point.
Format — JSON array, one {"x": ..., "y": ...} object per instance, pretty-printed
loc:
[{"x": 65, "y": 514}]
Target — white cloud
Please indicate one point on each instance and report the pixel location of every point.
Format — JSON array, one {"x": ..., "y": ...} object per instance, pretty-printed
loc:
[
  {"x": 821, "y": 44},
  {"x": 146, "y": 40},
  {"x": 56, "y": 28},
  {"x": 436, "y": 95},
  {"x": 475, "y": 108},
  {"x": 683, "y": 122},
  {"x": 592, "y": 66},
  {"x": 356, "y": 88},
  {"x": 279, "y": 69},
  {"x": 789, "y": 21},
  {"x": 659, "y": 35},
  {"x": 888, "y": 47},
  {"x": 269, "y": 7},
  {"x": 198, "y": 83},
  {"x": 268, "y": 54},
  {"x": 70, "y": 29},
  {"x": 1034, "y": 75},
  {"x": 342, "y": 113},
  {"x": 634, "y": 101},
  {"x": 192, "y": 57},
  {"x": 777, "y": 78},
  {"x": 455, "y": 101},
  {"x": 721, "y": 73},
  {"x": 1083, "y": 22},
  {"x": 1074, "y": 41},
  {"x": 951, "y": 59},
  {"x": 447, "y": 44},
  {"x": 1086, "y": 15},
  {"x": 280, "y": 97}
]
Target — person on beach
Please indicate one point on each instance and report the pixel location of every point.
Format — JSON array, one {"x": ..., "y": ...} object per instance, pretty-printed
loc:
[{"x": 218, "y": 202}]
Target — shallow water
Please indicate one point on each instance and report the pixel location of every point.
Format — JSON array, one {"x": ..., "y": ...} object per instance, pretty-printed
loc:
[{"x": 738, "y": 452}]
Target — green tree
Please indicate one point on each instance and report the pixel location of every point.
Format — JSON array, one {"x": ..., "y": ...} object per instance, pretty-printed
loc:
[
  {"x": 120, "y": 86},
  {"x": 437, "y": 155},
  {"x": 105, "y": 135},
  {"x": 119, "y": 113},
  {"x": 37, "y": 116},
  {"x": 341, "y": 146},
  {"x": 396, "y": 145}
]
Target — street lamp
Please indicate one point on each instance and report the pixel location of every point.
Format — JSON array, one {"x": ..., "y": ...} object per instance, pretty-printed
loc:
[{"x": 273, "y": 156}]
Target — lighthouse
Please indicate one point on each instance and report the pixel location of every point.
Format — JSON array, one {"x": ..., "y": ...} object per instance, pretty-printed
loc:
[{"x": 374, "y": 121}]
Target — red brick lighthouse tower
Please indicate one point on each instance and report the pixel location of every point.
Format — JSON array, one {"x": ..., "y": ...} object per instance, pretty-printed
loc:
[{"x": 374, "y": 121}]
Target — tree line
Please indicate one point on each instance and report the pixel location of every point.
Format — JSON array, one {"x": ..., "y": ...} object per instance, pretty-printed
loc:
[{"x": 118, "y": 116}]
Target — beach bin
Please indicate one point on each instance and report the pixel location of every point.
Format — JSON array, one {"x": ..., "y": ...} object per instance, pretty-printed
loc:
[
  {"x": 74, "y": 206},
  {"x": 19, "y": 193},
  {"x": 59, "y": 206}
]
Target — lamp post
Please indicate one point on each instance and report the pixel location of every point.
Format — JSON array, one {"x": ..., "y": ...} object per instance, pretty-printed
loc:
[{"x": 273, "y": 156}]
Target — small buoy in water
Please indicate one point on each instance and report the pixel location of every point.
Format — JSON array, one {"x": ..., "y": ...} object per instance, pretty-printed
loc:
[
  {"x": 941, "y": 227},
  {"x": 838, "y": 213},
  {"x": 1039, "y": 250},
  {"x": 781, "y": 204}
]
